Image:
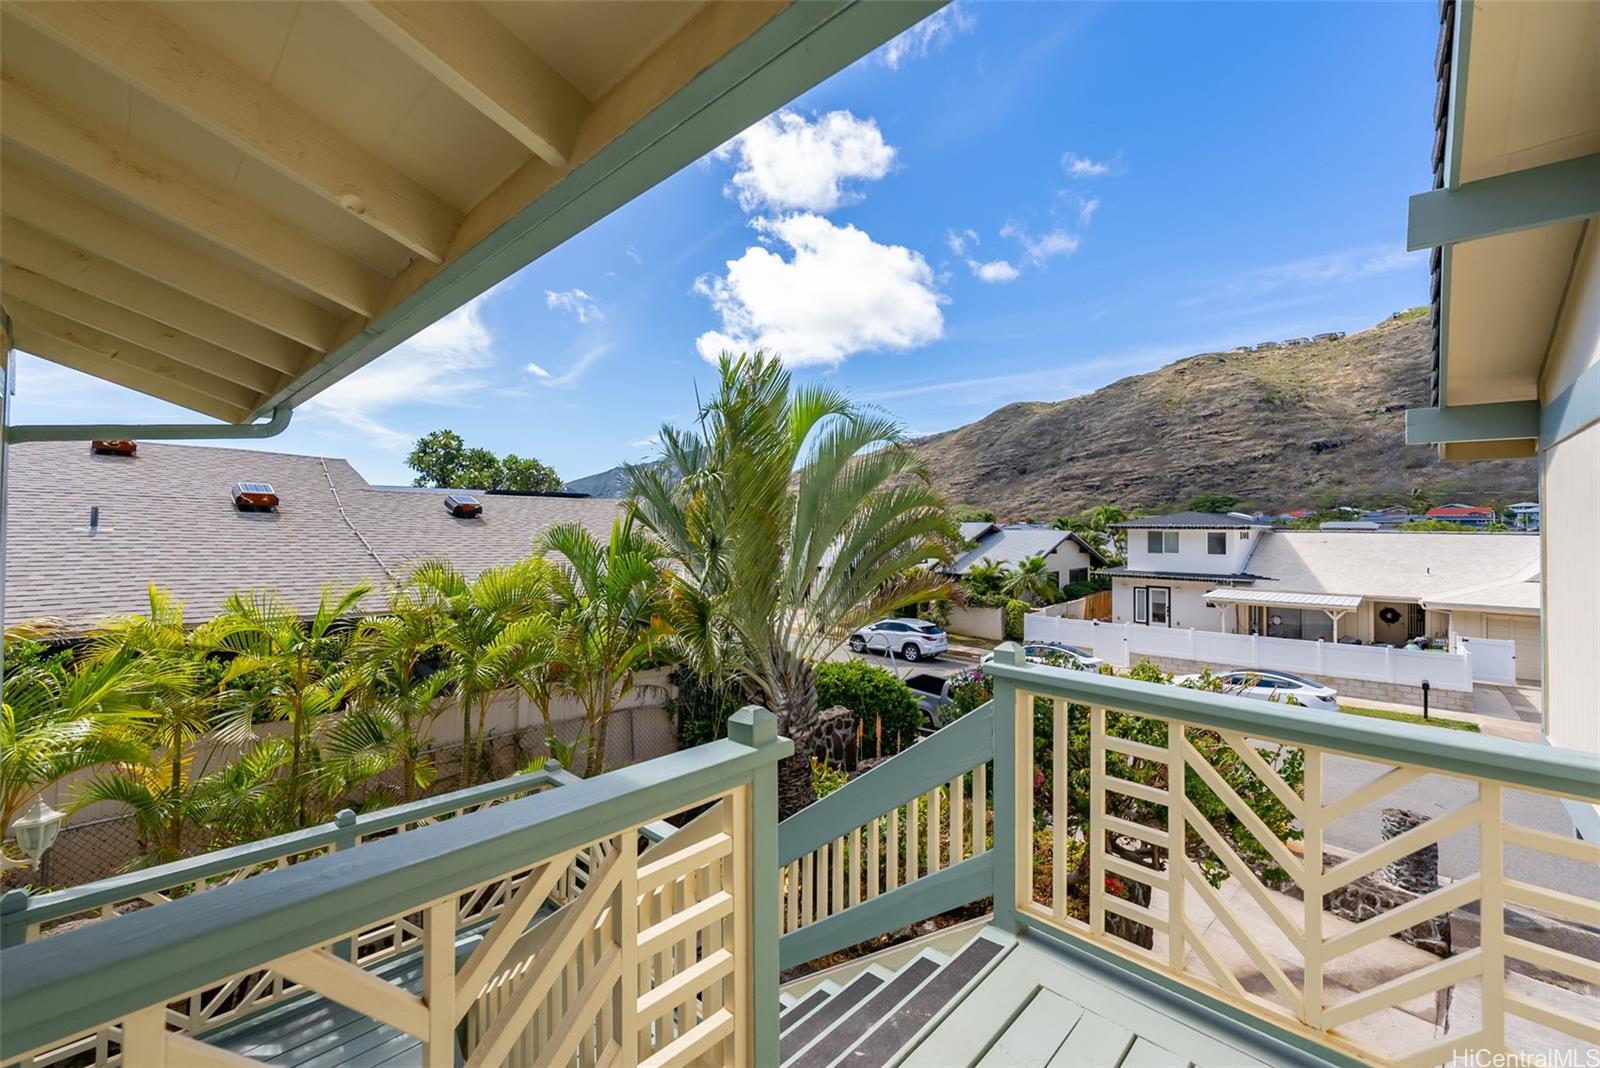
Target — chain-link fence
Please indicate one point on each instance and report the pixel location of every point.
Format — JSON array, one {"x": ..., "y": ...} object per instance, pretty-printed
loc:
[{"x": 96, "y": 849}]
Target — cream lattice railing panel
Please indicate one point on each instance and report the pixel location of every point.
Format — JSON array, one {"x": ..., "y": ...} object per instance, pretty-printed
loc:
[
  {"x": 520, "y": 938},
  {"x": 1205, "y": 854}
]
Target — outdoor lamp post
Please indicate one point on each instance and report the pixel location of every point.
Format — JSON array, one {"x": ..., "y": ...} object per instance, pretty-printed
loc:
[{"x": 36, "y": 828}]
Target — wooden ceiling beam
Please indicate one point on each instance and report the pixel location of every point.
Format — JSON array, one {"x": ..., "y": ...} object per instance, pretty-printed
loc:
[
  {"x": 38, "y": 121},
  {"x": 65, "y": 328},
  {"x": 479, "y": 59},
  {"x": 168, "y": 385},
  {"x": 50, "y": 208},
  {"x": 155, "y": 54},
  {"x": 112, "y": 320},
  {"x": 83, "y": 270}
]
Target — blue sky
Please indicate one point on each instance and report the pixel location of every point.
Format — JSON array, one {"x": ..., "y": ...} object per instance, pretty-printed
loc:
[{"x": 1010, "y": 202}]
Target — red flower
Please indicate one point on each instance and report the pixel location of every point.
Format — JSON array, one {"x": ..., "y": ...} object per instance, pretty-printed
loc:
[{"x": 1114, "y": 886}]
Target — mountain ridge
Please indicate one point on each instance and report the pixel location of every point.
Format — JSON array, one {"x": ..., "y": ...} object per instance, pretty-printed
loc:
[{"x": 1307, "y": 425}]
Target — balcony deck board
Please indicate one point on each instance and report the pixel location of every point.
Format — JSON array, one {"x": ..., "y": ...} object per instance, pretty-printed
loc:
[{"x": 1043, "y": 1005}]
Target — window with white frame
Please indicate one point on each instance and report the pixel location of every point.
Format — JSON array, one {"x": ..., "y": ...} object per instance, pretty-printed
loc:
[
  {"x": 1141, "y": 604},
  {"x": 1161, "y": 541}
]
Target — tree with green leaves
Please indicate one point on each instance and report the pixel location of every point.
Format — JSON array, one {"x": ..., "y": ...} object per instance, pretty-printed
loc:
[
  {"x": 397, "y": 691},
  {"x": 302, "y": 676},
  {"x": 985, "y": 578},
  {"x": 181, "y": 701},
  {"x": 489, "y": 630},
  {"x": 60, "y": 717},
  {"x": 609, "y": 619},
  {"x": 797, "y": 516},
  {"x": 1213, "y": 502},
  {"x": 1029, "y": 581},
  {"x": 441, "y": 459},
  {"x": 967, "y": 513}
]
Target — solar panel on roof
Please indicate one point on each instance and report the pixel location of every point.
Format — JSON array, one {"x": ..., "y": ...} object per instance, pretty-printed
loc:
[
  {"x": 463, "y": 506},
  {"x": 254, "y": 497}
]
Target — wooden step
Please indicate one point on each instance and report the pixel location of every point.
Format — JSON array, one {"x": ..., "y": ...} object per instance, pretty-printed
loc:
[
  {"x": 831, "y": 1044},
  {"x": 919, "y": 1014},
  {"x": 825, "y": 1017}
]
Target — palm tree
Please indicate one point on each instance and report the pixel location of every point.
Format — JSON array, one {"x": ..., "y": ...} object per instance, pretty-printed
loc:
[
  {"x": 482, "y": 652},
  {"x": 303, "y": 675},
  {"x": 1103, "y": 520},
  {"x": 986, "y": 577},
  {"x": 797, "y": 516},
  {"x": 610, "y": 619},
  {"x": 180, "y": 702},
  {"x": 1030, "y": 581},
  {"x": 396, "y": 690},
  {"x": 58, "y": 719}
]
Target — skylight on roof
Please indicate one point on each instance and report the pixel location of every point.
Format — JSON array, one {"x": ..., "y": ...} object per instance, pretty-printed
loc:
[{"x": 463, "y": 506}]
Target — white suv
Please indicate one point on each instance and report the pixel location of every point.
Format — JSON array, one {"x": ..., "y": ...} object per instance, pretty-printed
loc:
[{"x": 910, "y": 639}]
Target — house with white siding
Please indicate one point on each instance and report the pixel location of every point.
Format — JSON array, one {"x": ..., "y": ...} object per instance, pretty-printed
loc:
[{"x": 1231, "y": 574}]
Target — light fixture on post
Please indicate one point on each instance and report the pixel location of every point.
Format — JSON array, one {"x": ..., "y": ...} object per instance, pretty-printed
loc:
[{"x": 36, "y": 828}]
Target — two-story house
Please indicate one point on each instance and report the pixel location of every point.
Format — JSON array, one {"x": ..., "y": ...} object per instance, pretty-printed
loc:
[{"x": 1174, "y": 560}]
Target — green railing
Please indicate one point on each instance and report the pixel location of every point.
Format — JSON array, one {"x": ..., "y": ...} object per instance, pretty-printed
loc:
[
  {"x": 667, "y": 953},
  {"x": 25, "y": 917},
  {"x": 1189, "y": 843}
]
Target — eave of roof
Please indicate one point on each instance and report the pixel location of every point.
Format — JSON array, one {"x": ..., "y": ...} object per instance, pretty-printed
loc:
[
  {"x": 1181, "y": 576},
  {"x": 1190, "y": 521}
]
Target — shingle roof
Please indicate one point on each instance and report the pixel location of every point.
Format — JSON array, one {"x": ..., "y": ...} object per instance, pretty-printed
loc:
[
  {"x": 1181, "y": 576},
  {"x": 1407, "y": 565},
  {"x": 166, "y": 517},
  {"x": 1010, "y": 545},
  {"x": 1190, "y": 520}
]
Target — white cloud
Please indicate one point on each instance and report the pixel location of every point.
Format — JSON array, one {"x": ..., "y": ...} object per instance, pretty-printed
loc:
[
  {"x": 958, "y": 242},
  {"x": 1086, "y": 210},
  {"x": 839, "y": 293},
  {"x": 1038, "y": 251},
  {"x": 786, "y": 163},
  {"x": 929, "y": 35},
  {"x": 633, "y": 254},
  {"x": 1078, "y": 166},
  {"x": 1347, "y": 265},
  {"x": 574, "y": 374},
  {"x": 440, "y": 365},
  {"x": 646, "y": 443},
  {"x": 536, "y": 371},
  {"x": 994, "y": 271},
  {"x": 580, "y": 304}
]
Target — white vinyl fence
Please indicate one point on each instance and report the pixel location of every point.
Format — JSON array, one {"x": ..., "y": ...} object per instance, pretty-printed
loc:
[
  {"x": 1493, "y": 659},
  {"x": 1124, "y": 643}
]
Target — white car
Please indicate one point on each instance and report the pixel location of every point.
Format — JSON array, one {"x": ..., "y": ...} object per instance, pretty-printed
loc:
[
  {"x": 1044, "y": 652},
  {"x": 1276, "y": 686},
  {"x": 909, "y": 639}
]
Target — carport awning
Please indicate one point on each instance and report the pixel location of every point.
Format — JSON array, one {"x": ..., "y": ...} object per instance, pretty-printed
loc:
[{"x": 1328, "y": 602}]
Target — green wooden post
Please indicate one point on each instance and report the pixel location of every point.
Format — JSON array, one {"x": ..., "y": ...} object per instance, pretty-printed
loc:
[
  {"x": 758, "y": 728},
  {"x": 345, "y": 821},
  {"x": 1005, "y": 864},
  {"x": 14, "y": 918}
]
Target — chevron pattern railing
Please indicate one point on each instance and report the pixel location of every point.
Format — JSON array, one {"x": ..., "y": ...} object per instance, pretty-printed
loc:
[
  {"x": 1188, "y": 835},
  {"x": 659, "y": 956}
]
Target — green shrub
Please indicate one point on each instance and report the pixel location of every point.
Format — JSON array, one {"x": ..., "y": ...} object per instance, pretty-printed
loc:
[
  {"x": 701, "y": 708},
  {"x": 1015, "y": 613},
  {"x": 874, "y": 695},
  {"x": 825, "y": 780},
  {"x": 968, "y": 690}
]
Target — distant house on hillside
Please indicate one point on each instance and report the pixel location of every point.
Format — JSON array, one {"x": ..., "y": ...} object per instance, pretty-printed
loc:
[
  {"x": 1067, "y": 556},
  {"x": 1523, "y": 515},
  {"x": 1234, "y": 574},
  {"x": 1465, "y": 515},
  {"x": 167, "y": 515},
  {"x": 1389, "y": 517}
]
